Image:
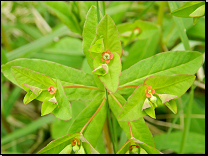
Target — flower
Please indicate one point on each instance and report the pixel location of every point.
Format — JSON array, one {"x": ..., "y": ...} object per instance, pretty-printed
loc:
[
  {"x": 51, "y": 89},
  {"x": 134, "y": 149},
  {"x": 149, "y": 91},
  {"x": 106, "y": 56},
  {"x": 136, "y": 30}
]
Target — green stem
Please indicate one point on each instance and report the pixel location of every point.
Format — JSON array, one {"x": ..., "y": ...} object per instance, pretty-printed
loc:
[
  {"x": 180, "y": 26},
  {"x": 103, "y": 7},
  {"x": 109, "y": 122},
  {"x": 161, "y": 13},
  {"x": 187, "y": 120},
  {"x": 144, "y": 12},
  {"x": 160, "y": 22},
  {"x": 98, "y": 12}
]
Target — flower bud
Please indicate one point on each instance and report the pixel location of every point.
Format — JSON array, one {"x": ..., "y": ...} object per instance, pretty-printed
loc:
[
  {"x": 75, "y": 148},
  {"x": 153, "y": 99}
]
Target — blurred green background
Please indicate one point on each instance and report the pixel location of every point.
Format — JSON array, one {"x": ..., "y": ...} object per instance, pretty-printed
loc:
[{"x": 53, "y": 31}]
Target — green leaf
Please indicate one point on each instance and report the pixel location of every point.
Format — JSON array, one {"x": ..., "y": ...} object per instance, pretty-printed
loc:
[
  {"x": 107, "y": 30},
  {"x": 37, "y": 44},
  {"x": 142, "y": 49},
  {"x": 146, "y": 147},
  {"x": 94, "y": 128},
  {"x": 28, "y": 129},
  {"x": 56, "y": 146},
  {"x": 132, "y": 110},
  {"x": 150, "y": 111},
  {"x": 139, "y": 128},
  {"x": 30, "y": 77},
  {"x": 98, "y": 47},
  {"x": 187, "y": 8},
  {"x": 195, "y": 142},
  {"x": 200, "y": 11},
  {"x": 63, "y": 110},
  {"x": 172, "y": 106},
  {"x": 32, "y": 93},
  {"x": 89, "y": 33},
  {"x": 66, "y": 45},
  {"x": 170, "y": 84},
  {"x": 47, "y": 106},
  {"x": 166, "y": 63},
  {"x": 60, "y": 128},
  {"x": 63, "y": 12},
  {"x": 56, "y": 71},
  {"x": 173, "y": 85},
  {"x": 111, "y": 79}
]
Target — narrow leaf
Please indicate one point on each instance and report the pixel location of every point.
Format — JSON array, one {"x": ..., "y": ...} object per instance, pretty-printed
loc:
[
  {"x": 55, "y": 71},
  {"x": 187, "y": 8},
  {"x": 30, "y": 77},
  {"x": 166, "y": 63},
  {"x": 63, "y": 110}
]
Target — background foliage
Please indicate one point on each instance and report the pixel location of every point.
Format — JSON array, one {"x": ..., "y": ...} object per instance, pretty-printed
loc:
[{"x": 53, "y": 31}]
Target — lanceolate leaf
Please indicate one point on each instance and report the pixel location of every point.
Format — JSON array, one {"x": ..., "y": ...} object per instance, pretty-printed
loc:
[
  {"x": 111, "y": 79},
  {"x": 139, "y": 128},
  {"x": 63, "y": 12},
  {"x": 94, "y": 128},
  {"x": 166, "y": 63},
  {"x": 132, "y": 110},
  {"x": 107, "y": 30},
  {"x": 187, "y": 8},
  {"x": 63, "y": 110},
  {"x": 170, "y": 84},
  {"x": 56, "y": 146},
  {"x": 173, "y": 85},
  {"x": 89, "y": 33},
  {"x": 67, "y": 75},
  {"x": 27, "y": 76}
]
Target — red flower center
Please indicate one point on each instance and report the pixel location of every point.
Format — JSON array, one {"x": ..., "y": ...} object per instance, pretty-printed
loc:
[
  {"x": 131, "y": 147},
  {"x": 51, "y": 89},
  {"x": 75, "y": 141},
  {"x": 149, "y": 91},
  {"x": 106, "y": 56}
]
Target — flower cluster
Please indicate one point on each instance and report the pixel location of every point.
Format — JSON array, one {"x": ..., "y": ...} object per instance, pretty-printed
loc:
[
  {"x": 74, "y": 148},
  {"x": 149, "y": 93}
]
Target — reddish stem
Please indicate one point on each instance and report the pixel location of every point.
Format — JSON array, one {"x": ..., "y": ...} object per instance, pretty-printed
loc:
[
  {"x": 127, "y": 86},
  {"x": 130, "y": 130},
  {"x": 121, "y": 108},
  {"x": 92, "y": 116},
  {"x": 81, "y": 87}
]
